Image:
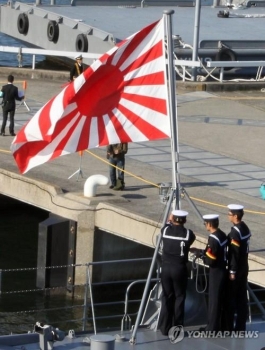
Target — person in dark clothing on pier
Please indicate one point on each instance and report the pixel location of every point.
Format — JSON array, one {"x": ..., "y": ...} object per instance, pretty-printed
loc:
[
  {"x": 10, "y": 95},
  {"x": 116, "y": 156},
  {"x": 176, "y": 241},
  {"x": 238, "y": 247}
]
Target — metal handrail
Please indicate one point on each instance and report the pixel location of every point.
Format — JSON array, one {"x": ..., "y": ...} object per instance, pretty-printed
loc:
[
  {"x": 88, "y": 285},
  {"x": 69, "y": 54},
  {"x": 236, "y": 64},
  {"x": 256, "y": 300},
  {"x": 91, "y": 304},
  {"x": 91, "y": 293},
  {"x": 43, "y": 52},
  {"x": 126, "y": 317}
]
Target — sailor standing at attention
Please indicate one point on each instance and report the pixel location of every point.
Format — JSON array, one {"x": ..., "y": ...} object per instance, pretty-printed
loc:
[
  {"x": 176, "y": 241},
  {"x": 215, "y": 256},
  {"x": 238, "y": 247},
  {"x": 77, "y": 68}
]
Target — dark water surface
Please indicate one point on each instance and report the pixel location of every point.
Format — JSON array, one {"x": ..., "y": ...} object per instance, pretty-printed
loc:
[{"x": 19, "y": 244}]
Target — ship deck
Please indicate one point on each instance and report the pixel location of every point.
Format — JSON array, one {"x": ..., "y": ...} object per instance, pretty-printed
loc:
[{"x": 145, "y": 339}]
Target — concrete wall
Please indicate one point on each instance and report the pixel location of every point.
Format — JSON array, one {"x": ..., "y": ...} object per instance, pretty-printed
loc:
[
  {"x": 109, "y": 247},
  {"x": 91, "y": 214},
  {"x": 52, "y": 199}
]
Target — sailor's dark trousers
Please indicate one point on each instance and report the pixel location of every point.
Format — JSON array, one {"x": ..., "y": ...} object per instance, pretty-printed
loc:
[
  {"x": 217, "y": 278},
  {"x": 174, "y": 279}
]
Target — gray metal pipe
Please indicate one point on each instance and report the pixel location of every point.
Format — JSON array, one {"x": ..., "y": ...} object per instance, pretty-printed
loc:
[
  {"x": 173, "y": 108},
  {"x": 196, "y": 37}
]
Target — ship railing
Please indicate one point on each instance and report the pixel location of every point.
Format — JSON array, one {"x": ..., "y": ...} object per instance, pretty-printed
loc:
[
  {"x": 236, "y": 64},
  {"x": 84, "y": 311},
  {"x": 187, "y": 64},
  {"x": 254, "y": 301},
  {"x": 222, "y": 65},
  {"x": 89, "y": 289},
  {"x": 20, "y": 51},
  {"x": 81, "y": 309}
]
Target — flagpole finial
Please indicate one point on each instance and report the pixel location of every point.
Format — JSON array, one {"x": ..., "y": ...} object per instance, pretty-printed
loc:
[{"x": 169, "y": 12}]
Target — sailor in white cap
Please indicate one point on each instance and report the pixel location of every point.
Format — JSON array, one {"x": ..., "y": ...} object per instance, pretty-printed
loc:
[
  {"x": 215, "y": 257},
  {"x": 78, "y": 57},
  {"x": 176, "y": 240},
  {"x": 238, "y": 247},
  {"x": 77, "y": 68}
]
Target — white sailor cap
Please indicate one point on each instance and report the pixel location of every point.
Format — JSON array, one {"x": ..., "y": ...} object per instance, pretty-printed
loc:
[
  {"x": 78, "y": 56},
  {"x": 210, "y": 217},
  {"x": 235, "y": 207},
  {"x": 179, "y": 213}
]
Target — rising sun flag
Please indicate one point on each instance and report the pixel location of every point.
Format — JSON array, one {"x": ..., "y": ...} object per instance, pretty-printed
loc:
[{"x": 121, "y": 97}]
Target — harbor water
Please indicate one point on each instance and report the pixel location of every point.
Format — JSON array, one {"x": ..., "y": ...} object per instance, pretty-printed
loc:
[
  {"x": 22, "y": 303},
  {"x": 19, "y": 311},
  {"x": 19, "y": 242}
]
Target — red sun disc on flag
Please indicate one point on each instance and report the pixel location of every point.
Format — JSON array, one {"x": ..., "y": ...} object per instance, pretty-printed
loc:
[{"x": 94, "y": 98}]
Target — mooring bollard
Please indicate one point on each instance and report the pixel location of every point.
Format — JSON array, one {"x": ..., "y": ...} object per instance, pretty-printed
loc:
[{"x": 102, "y": 342}]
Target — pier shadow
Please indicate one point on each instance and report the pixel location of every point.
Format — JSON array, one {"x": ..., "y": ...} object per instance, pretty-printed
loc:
[
  {"x": 257, "y": 250},
  {"x": 106, "y": 194},
  {"x": 137, "y": 188},
  {"x": 134, "y": 196},
  {"x": 201, "y": 184}
]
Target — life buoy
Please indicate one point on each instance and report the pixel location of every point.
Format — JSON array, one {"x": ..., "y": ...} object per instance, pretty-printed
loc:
[
  {"x": 225, "y": 54},
  {"x": 81, "y": 43},
  {"x": 23, "y": 23},
  {"x": 53, "y": 31}
]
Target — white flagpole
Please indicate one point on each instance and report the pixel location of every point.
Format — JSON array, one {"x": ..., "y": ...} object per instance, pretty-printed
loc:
[
  {"x": 172, "y": 97},
  {"x": 172, "y": 108}
]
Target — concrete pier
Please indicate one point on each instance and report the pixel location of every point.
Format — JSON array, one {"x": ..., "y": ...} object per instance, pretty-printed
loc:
[{"x": 221, "y": 136}]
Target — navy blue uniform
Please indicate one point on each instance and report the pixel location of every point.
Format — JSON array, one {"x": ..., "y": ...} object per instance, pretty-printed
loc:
[
  {"x": 238, "y": 248},
  {"x": 176, "y": 241},
  {"x": 215, "y": 256}
]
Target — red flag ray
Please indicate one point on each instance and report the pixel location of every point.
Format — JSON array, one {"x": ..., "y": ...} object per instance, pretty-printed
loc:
[
  {"x": 122, "y": 97},
  {"x": 147, "y": 101},
  {"x": 140, "y": 124},
  {"x": 150, "y": 79},
  {"x": 147, "y": 58},
  {"x": 40, "y": 152},
  {"x": 143, "y": 73},
  {"x": 130, "y": 105},
  {"x": 115, "y": 128}
]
